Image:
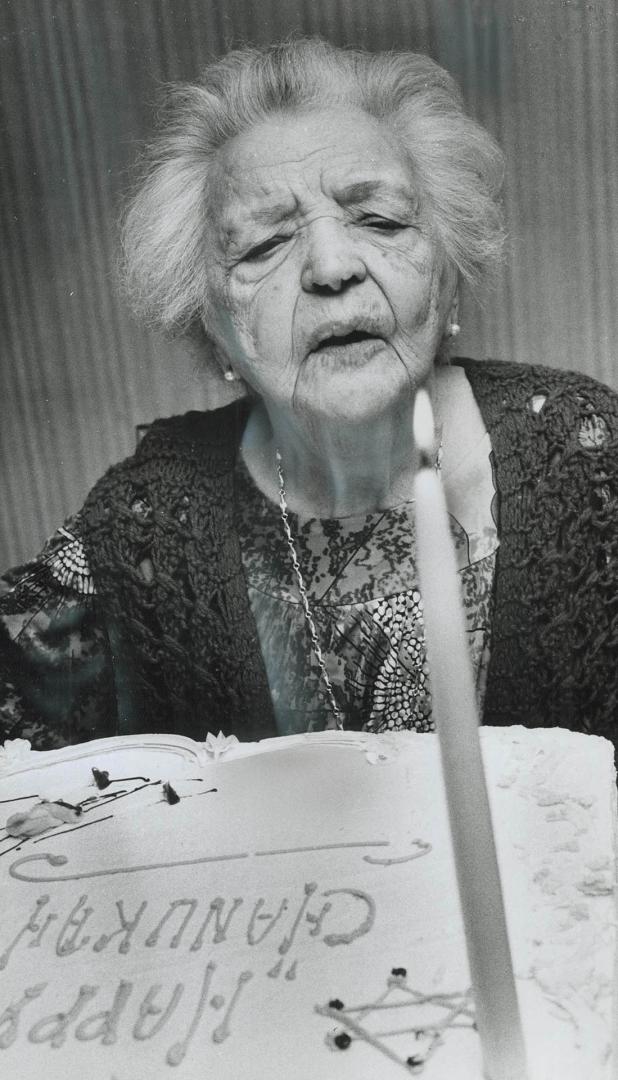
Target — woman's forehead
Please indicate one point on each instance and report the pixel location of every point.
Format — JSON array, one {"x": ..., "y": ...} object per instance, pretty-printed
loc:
[
  {"x": 350, "y": 157},
  {"x": 304, "y": 139}
]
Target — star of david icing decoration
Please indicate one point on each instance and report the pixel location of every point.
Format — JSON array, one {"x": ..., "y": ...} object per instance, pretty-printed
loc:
[{"x": 405, "y": 1025}]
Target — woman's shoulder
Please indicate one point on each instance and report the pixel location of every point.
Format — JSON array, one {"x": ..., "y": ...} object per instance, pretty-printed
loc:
[
  {"x": 171, "y": 454},
  {"x": 517, "y": 383},
  {"x": 538, "y": 401},
  {"x": 215, "y": 432}
]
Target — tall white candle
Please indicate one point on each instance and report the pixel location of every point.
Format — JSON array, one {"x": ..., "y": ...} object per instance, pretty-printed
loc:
[{"x": 455, "y": 714}]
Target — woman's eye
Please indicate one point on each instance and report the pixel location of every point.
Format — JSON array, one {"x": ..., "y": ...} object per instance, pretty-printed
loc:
[
  {"x": 260, "y": 251},
  {"x": 384, "y": 224}
]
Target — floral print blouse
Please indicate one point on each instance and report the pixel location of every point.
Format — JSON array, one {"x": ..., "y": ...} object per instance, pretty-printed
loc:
[{"x": 361, "y": 582}]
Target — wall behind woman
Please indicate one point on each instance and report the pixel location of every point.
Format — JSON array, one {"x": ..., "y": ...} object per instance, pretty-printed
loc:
[{"x": 78, "y": 80}]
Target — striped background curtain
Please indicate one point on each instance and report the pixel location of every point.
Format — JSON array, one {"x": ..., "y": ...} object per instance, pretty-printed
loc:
[{"x": 78, "y": 79}]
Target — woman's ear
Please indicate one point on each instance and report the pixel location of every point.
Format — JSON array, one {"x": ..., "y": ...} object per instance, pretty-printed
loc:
[
  {"x": 453, "y": 325},
  {"x": 226, "y": 369},
  {"x": 452, "y": 329},
  {"x": 454, "y": 312},
  {"x": 223, "y": 385}
]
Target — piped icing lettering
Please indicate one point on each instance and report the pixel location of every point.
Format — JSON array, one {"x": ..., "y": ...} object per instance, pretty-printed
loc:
[
  {"x": 317, "y": 920},
  {"x": 32, "y": 926},
  {"x": 310, "y": 888},
  {"x": 271, "y": 920},
  {"x": 153, "y": 937},
  {"x": 53, "y": 1029},
  {"x": 363, "y": 927},
  {"x": 422, "y": 848},
  {"x": 221, "y": 927},
  {"x": 67, "y": 938},
  {"x": 15, "y": 870},
  {"x": 275, "y": 970},
  {"x": 104, "y": 1025},
  {"x": 127, "y": 928},
  {"x": 9, "y": 1019},
  {"x": 223, "y": 1030},
  {"x": 148, "y": 1008},
  {"x": 177, "y": 1052}
]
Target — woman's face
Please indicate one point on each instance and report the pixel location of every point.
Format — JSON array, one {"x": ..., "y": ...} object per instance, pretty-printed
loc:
[{"x": 327, "y": 292}]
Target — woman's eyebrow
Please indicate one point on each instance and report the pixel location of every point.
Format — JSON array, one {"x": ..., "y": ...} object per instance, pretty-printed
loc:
[
  {"x": 259, "y": 213},
  {"x": 274, "y": 210},
  {"x": 361, "y": 190}
]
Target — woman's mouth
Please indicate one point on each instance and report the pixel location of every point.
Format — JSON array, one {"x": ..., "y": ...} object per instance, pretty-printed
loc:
[
  {"x": 352, "y": 338},
  {"x": 355, "y": 347}
]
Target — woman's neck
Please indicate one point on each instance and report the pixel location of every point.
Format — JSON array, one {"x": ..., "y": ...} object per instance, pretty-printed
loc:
[
  {"x": 332, "y": 470},
  {"x": 339, "y": 473}
]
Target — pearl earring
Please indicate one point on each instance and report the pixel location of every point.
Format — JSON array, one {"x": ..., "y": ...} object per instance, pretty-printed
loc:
[
  {"x": 453, "y": 329},
  {"x": 229, "y": 375}
]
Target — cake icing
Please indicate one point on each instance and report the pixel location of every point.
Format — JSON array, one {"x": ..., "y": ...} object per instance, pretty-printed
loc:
[{"x": 290, "y": 908}]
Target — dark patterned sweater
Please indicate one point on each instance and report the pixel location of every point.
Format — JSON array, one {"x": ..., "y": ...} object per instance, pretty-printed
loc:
[{"x": 176, "y": 647}]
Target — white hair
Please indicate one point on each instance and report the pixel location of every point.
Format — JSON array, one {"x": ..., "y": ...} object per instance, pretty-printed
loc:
[{"x": 458, "y": 166}]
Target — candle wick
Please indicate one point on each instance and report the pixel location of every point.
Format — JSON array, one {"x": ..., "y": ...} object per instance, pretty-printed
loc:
[{"x": 426, "y": 460}]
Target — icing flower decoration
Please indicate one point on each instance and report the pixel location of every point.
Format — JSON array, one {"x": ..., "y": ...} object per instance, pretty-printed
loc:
[
  {"x": 375, "y": 757},
  {"x": 342, "y": 1040},
  {"x": 216, "y": 745},
  {"x": 12, "y": 752},
  {"x": 379, "y": 749},
  {"x": 415, "y": 1063},
  {"x": 102, "y": 778},
  {"x": 170, "y": 794},
  {"x": 339, "y": 1040},
  {"x": 42, "y": 817}
]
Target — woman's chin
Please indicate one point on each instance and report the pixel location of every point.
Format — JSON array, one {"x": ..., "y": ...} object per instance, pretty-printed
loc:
[{"x": 350, "y": 393}]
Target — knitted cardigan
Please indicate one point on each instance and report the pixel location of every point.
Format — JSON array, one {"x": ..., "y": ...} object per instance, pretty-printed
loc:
[{"x": 160, "y": 534}]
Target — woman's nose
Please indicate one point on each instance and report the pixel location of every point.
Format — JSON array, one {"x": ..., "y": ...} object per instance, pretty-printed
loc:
[{"x": 332, "y": 261}]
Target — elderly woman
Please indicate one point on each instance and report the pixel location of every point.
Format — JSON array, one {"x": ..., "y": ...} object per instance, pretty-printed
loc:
[{"x": 306, "y": 219}]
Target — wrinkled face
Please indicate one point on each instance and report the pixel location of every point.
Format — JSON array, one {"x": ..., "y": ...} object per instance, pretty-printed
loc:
[{"x": 327, "y": 292}]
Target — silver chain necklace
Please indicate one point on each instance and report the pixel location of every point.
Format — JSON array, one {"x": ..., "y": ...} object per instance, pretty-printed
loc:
[{"x": 328, "y": 686}]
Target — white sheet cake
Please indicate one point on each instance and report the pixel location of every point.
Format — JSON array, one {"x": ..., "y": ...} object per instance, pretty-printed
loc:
[{"x": 290, "y": 910}]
